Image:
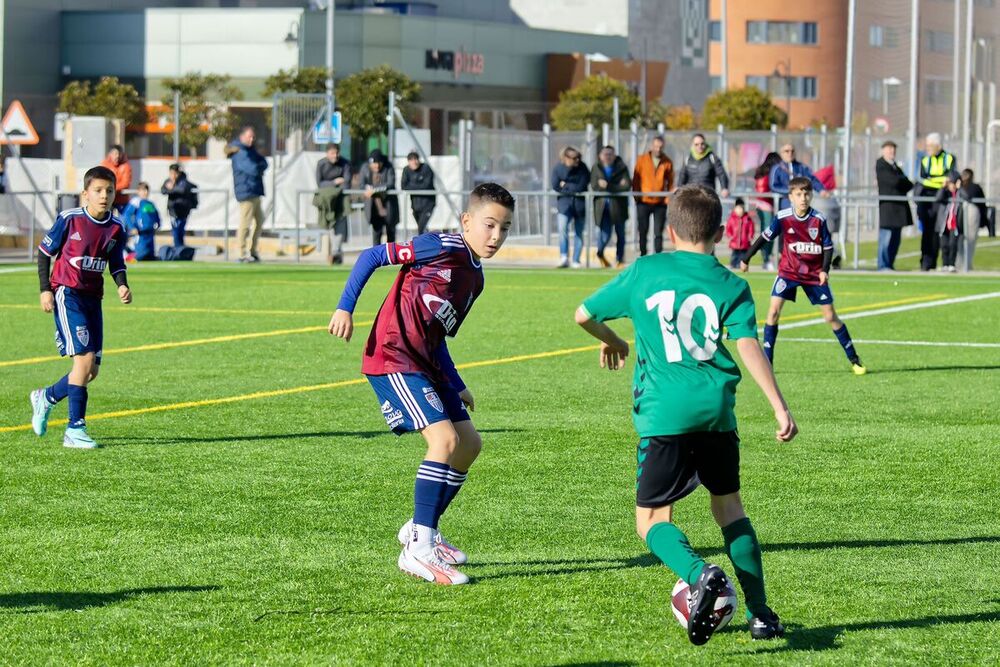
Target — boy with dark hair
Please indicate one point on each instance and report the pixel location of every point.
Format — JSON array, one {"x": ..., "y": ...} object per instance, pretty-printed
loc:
[
  {"x": 418, "y": 175},
  {"x": 83, "y": 241},
  {"x": 684, "y": 394},
  {"x": 805, "y": 262},
  {"x": 407, "y": 363},
  {"x": 142, "y": 217}
]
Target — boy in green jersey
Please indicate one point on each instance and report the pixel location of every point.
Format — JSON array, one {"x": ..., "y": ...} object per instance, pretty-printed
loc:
[{"x": 684, "y": 393}]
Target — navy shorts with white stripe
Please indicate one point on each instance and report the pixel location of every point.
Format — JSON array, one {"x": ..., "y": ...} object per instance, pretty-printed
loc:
[{"x": 412, "y": 402}]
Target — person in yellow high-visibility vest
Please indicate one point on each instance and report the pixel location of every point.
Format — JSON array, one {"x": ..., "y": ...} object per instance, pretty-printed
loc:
[{"x": 935, "y": 169}]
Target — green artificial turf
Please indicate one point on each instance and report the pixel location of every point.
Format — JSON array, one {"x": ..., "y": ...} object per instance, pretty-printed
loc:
[{"x": 262, "y": 530}]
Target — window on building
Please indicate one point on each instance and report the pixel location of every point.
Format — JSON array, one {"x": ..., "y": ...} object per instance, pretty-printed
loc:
[
  {"x": 875, "y": 90},
  {"x": 782, "y": 32},
  {"x": 796, "y": 87},
  {"x": 715, "y": 31},
  {"x": 937, "y": 91},
  {"x": 876, "y": 36},
  {"x": 939, "y": 42}
]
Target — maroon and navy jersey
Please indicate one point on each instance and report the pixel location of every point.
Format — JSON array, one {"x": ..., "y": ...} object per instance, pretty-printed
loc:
[
  {"x": 805, "y": 239},
  {"x": 433, "y": 293},
  {"x": 83, "y": 247}
]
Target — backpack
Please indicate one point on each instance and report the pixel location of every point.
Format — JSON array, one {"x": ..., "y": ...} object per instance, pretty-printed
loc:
[
  {"x": 193, "y": 195},
  {"x": 169, "y": 254}
]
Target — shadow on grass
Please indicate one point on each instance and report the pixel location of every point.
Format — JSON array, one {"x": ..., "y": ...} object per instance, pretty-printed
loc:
[
  {"x": 185, "y": 440},
  {"x": 561, "y": 566},
  {"x": 824, "y": 637},
  {"x": 37, "y": 602}
]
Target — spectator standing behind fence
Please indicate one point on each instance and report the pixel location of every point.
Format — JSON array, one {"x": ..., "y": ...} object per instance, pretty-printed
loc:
[
  {"x": 765, "y": 206},
  {"x": 830, "y": 208},
  {"x": 570, "y": 178},
  {"x": 703, "y": 167},
  {"x": 935, "y": 169},
  {"x": 949, "y": 214},
  {"x": 118, "y": 163},
  {"x": 740, "y": 230},
  {"x": 248, "y": 184},
  {"x": 140, "y": 216},
  {"x": 892, "y": 215},
  {"x": 977, "y": 214},
  {"x": 654, "y": 172},
  {"x": 333, "y": 176},
  {"x": 418, "y": 175},
  {"x": 608, "y": 178},
  {"x": 378, "y": 178},
  {"x": 786, "y": 170},
  {"x": 182, "y": 198}
]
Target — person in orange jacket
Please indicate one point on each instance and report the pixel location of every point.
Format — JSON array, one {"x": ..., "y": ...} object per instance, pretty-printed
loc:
[
  {"x": 654, "y": 172},
  {"x": 118, "y": 163}
]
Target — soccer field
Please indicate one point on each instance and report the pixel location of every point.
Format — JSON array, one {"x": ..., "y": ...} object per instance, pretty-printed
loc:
[{"x": 245, "y": 506}]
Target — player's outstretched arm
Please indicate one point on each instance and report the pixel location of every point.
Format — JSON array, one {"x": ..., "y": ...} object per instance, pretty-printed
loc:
[
  {"x": 341, "y": 325},
  {"x": 759, "y": 367},
  {"x": 754, "y": 247},
  {"x": 342, "y": 322},
  {"x": 614, "y": 350}
]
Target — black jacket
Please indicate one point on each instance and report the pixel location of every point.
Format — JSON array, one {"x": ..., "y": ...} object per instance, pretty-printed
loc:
[
  {"x": 619, "y": 181},
  {"x": 421, "y": 179},
  {"x": 568, "y": 181},
  {"x": 893, "y": 182},
  {"x": 180, "y": 198},
  {"x": 974, "y": 191},
  {"x": 703, "y": 172},
  {"x": 327, "y": 172}
]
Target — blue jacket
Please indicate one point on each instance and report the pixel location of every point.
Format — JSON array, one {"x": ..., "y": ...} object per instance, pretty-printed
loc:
[
  {"x": 141, "y": 215},
  {"x": 248, "y": 171},
  {"x": 781, "y": 175},
  {"x": 574, "y": 179}
]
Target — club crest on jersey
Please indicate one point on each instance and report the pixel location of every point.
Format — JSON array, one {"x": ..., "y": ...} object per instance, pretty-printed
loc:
[
  {"x": 813, "y": 232},
  {"x": 445, "y": 312},
  {"x": 433, "y": 398},
  {"x": 83, "y": 335},
  {"x": 446, "y": 274},
  {"x": 404, "y": 253},
  {"x": 87, "y": 263}
]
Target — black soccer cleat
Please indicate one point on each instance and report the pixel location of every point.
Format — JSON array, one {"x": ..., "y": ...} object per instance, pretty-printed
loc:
[
  {"x": 766, "y": 626},
  {"x": 710, "y": 585}
]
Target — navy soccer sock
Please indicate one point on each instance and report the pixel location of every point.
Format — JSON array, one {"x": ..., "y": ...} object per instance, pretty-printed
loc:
[
  {"x": 845, "y": 342},
  {"x": 77, "y": 406},
  {"x": 429, "y": 492},
  {"x": 770, "y": 337},
  {"x": 456, "y": 478},
  {"x": 58, "y": 391}
]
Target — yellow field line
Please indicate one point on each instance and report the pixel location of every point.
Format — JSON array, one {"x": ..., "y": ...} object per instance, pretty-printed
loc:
[
  {"x": 293, "y": 390},
  {"x": 182, "y": 343},
  {"x": 207, "y": 311},
  {"x": 853, "y": 309}
]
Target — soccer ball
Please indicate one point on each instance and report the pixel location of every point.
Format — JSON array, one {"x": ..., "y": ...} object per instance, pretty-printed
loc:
[{"x": 725, "y": 604}]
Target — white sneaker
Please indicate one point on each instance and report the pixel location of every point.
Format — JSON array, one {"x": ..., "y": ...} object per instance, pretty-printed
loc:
[
  {"x": 769, "y": 266},
  {"x": 449, "y": 552},
  {"x": 40, "y": 409},
  {"x": 429, "y": 566},
  {"x": 563, "y": 262},
  {"x": 77, "y": 438},
  {"x": 576, "y": 265}
]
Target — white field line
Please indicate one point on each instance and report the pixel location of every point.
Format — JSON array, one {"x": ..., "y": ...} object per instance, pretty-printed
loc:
[
  {"x": 908, "y": 255},
  {"x": 18, "y": 269},
  {"x": 912, "y": 343},
  {"x": 894, "y": 309}
]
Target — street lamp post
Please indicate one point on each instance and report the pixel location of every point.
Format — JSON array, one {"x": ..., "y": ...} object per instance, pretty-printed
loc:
[{"x": 787, "y": 76}]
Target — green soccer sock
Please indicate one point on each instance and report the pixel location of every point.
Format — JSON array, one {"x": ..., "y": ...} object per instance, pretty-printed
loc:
[
  {"x": 671, "y": 546},
  {"x": 744, "y": 551}
]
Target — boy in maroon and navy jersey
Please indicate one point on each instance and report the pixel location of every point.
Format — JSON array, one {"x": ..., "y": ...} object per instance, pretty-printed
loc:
[
  {"x": 406, "y": 361},
  {"x": 805, "y": 262},
  {"x": 83, "y": 242}
]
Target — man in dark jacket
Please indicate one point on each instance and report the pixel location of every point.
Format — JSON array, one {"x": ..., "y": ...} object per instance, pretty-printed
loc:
[
  {"x": 180, "y": 201},
  {"x": 610, "y": 179},
  {"x": 569, "y": 178},
  {"x": 418, "y": 175},
  {"x": 333, "y": 176},
  {"x": 248, "y": 184},
  {"x": 703, "y": 167},
  {"x": 378, "y": 178},
  {"x": 892, "y": 215}
]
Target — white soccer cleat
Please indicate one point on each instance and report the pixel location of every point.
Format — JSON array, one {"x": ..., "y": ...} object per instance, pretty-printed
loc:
[
  {"x": 429, "y": 566},
  {"x": 449, "y": 552},
  {"x": 77, "y": 438},
  {"x": 40, "y": 409}
]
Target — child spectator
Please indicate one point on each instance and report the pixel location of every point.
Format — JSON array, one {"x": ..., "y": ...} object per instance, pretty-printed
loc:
[
  {"x": 740, "y": 229},
  {"x": 142, "y": 218}
]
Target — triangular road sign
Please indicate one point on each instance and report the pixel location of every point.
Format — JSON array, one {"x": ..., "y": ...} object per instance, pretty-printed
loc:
[{"x": 17, "y": 128}]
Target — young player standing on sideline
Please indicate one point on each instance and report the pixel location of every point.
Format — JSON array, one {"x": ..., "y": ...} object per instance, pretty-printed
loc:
[
  {"x": 83, "y": 242},
  {"x": 684, "y": 394},
  {"x": 407, "y": 363},
  {"x": 805, "y": 261}
]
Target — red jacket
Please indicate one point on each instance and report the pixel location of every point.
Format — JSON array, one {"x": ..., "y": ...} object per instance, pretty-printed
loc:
[
  {"x": 740, "y": 230},
  {"x": 763, "y": 185}
]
